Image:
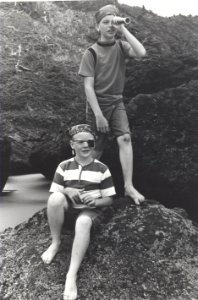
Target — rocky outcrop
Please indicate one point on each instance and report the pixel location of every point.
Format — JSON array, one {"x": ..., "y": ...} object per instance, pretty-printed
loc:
[
  {"x": 45, "y": 158},
  {"x": 147, "y": 252},
  {"x": 164, "y": 129},
  {"x": 41, "y": 52},
  {"x": 5, "y": 152},
  {"x": 165, "y": 147},
  {"x": 43, "y": 95}
]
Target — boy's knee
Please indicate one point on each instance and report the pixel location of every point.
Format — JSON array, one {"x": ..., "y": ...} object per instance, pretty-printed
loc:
[
  {"x": 83, "y": 223},
  {"x": 124, "y": 139},
  {"x": 56, "y": 199}
]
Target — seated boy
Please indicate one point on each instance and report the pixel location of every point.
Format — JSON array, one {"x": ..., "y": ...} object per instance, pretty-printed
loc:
[{"x": 82, "y": 184}]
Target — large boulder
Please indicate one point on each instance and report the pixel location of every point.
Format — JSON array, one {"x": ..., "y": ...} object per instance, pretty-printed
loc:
[
  {"x": 164, "y": 128},
  {"x": 46, "y": 156},
  {"x": 5, "y": 152},
  {"x": 43, "y": 95},
  {"x": 40, "y": 57},
  {"x": 147, "y": 252},
  {"x": 165, "y": 147}
]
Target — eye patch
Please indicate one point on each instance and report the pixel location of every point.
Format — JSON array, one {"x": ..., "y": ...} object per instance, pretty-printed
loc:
[{"x": 91, "y": 143}]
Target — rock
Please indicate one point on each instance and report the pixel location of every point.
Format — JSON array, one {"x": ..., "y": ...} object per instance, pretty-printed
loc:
[
  {"x": 165, "y": 145},
  {"x": 50, "y": 96},
  {"x": 45, "y": 97},
  {"x": 46, "y": 156},
  {"x": 165, "y": 148},
  {"x": 147, "y": 252},
  {"x": 5, "y": 152}
]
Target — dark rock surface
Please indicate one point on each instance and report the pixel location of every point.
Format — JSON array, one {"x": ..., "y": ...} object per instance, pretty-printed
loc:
[
  {"x": 45, "y": 158},
  {"x": 164, "y": 130},
  {"x": 143, "y": 253},
  {"x": 147, "y": 252},
  {"x": 43, "y": 95},
  {"x": 5, "y": 153},
  {"x": 40, "y": 57},
  {"x": 164, "y": 134}
]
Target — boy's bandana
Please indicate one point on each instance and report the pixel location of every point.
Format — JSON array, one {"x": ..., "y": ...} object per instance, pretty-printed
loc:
[
  {"x": 105, "y": 11},
  {"x": 80, "y": 128}
]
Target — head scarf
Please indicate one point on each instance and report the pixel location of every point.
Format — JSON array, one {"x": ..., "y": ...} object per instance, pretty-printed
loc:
[
  {"x": 105, "y": 11},
  {"x": 80, "y": 128}
]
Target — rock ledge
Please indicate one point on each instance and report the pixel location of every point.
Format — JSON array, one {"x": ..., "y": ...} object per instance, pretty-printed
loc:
[{"x": 147, "y": 252}]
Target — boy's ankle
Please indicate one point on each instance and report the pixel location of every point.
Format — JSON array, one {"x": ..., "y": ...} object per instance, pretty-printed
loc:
[
  {"x": 71, "y": 275},
  {"x": 56, "y": 242}
]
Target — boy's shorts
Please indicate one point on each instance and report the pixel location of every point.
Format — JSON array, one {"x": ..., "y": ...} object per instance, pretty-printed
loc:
[
  {"x": 97, "y": 215},
  {"x": 118, "y": 122}
]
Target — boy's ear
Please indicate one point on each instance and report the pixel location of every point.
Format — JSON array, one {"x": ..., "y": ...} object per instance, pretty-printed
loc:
[{"x": 97, "y": 28}]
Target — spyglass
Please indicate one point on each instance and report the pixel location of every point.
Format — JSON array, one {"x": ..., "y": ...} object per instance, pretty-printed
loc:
[{"x": 120, "y": 20}]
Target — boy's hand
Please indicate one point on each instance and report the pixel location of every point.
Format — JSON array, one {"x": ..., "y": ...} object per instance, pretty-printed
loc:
[
  {"x": 74, "y": 195},
  {"x": 119, "y": 28},
  {"x": 102, "y": 124},
  {"x": 89, "y": 200}
]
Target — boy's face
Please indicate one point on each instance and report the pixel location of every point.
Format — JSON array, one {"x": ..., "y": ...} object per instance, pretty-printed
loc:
[
  {"x": 83, "y": 144},
  {"x": 107, "y": 29}
]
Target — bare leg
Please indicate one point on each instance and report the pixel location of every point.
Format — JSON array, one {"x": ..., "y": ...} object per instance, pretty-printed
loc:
[
  {"x": 100, "y": 145},
  {"x": 126, "y": 160},
  {"x": 79, "y": 248},
  {"x": 55, "y": 211}
]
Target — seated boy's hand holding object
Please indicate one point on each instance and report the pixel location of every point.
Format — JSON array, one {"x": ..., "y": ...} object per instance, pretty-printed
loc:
[{"x": 74, "y": 195}]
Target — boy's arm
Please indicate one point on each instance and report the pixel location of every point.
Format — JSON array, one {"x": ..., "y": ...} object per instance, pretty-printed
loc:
[
  {"x": 73, "y": 194},
  {"x": 101, "y": 202},
  {"x": 105, "y": 201},
  {"x": 101, "y": 122},
  {"x": 107, "y": 192},
  {"x": 137, "y": 49}
]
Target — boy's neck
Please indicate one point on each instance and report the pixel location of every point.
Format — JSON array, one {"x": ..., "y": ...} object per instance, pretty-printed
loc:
[
  {"x": 103, "y": 40},
  {"x": 83, "y": 162},
  {"x": 106, "y": 43}
]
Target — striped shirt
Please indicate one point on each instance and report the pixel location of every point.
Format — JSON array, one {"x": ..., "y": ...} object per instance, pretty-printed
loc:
[{"x": 95, "y": 178}]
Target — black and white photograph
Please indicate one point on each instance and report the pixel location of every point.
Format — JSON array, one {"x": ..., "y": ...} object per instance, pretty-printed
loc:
[{"x": 98, "y": 150}]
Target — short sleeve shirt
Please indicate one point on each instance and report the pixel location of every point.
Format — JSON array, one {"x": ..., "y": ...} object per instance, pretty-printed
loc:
[
  {"x": 95, "y": 178},
  {"x": 108, "y": 70}
]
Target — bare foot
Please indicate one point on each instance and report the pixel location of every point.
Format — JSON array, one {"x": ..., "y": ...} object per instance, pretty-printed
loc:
[
  {"x": 131, "y": 192},
  {"x": 49, "y": 254},
  {"x": 70, "y": 292}
]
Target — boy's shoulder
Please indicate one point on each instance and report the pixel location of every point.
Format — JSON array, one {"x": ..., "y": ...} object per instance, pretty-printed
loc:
[
  {"x": 65, "y": 164},
  {"x": 95, "y": 49},
  {"x": 100, "y": 166}
]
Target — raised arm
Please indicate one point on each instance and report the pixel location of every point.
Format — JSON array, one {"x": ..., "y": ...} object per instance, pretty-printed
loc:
[{"x": 137, "y": 49}]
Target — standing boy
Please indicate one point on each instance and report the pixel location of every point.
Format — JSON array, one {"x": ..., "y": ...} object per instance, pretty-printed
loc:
[
  {"x": 103, "y": 69},
  {"x": 82, "y": 186}
]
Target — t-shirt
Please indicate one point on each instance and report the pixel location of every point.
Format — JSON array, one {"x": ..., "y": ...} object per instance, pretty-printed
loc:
[
  {"x": 108, "y": 70},
  {"x": 95, "y": 178}
]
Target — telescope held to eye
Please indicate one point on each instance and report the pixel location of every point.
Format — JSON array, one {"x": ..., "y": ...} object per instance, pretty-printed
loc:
[{"x": 120, "y": 20}]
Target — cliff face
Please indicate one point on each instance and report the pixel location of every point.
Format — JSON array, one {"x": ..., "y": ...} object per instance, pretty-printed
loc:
[
  {"x": 147, "y": 252},
  {"x": 5, "y": 153},
  {"x": 42, "y": 47},
  {"x": 166, "y": 146}
]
